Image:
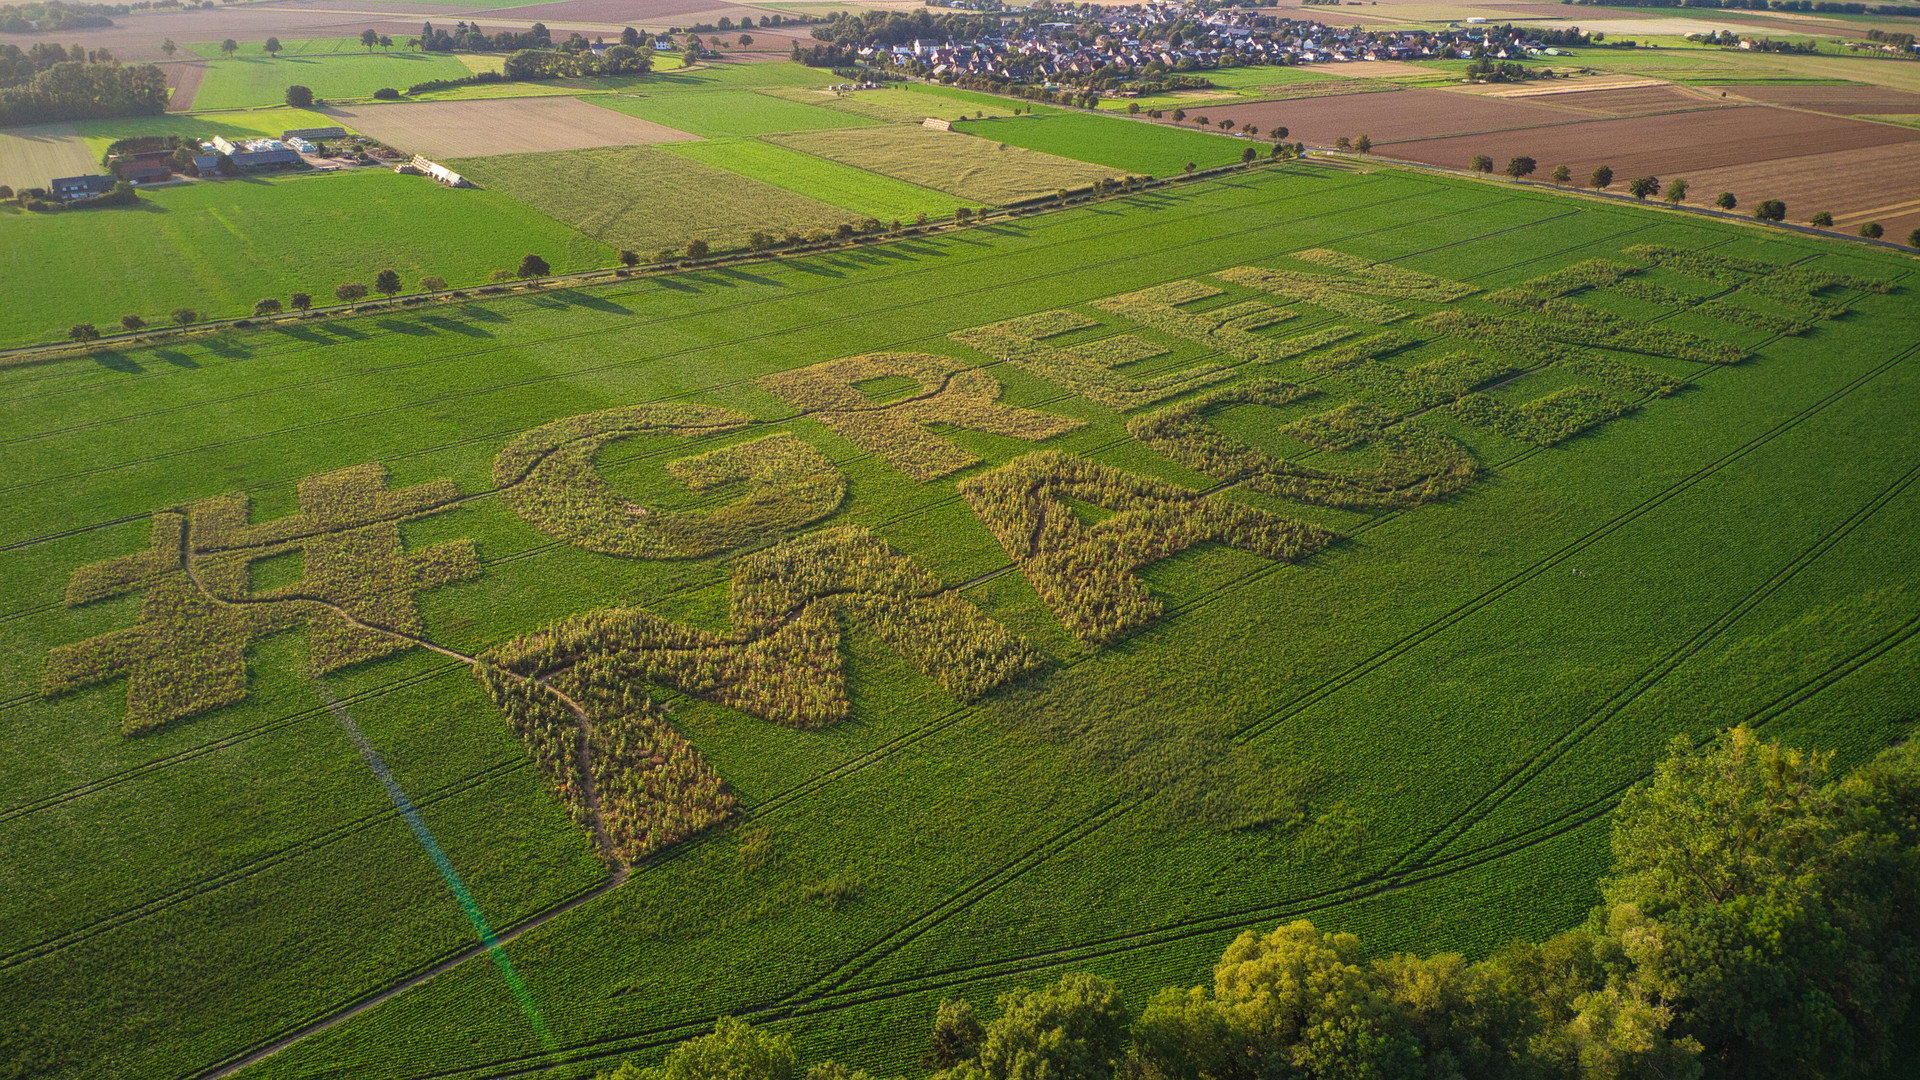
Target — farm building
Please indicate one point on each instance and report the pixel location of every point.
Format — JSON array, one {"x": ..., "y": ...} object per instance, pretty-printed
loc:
[
  {"x": 439, "y": 172},
  {"x": 145, "y": 172},
  {"x": 78, "y": 187},
  {"x": 313, "y": 133},
  {"x": 255, "y": 153}
]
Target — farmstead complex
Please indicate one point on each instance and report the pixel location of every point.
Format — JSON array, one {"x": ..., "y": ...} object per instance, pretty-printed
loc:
[{"x": 978, "y": 543}]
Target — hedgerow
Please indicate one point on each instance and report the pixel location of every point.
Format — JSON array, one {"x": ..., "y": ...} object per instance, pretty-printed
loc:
[
  {"x": 549, "y": 478},
  {"x": 894, "y": 431},
  {"x": 781, "y": 659},
  {"x": 1415, "y": 464},
  {"x": 187, "y": 651},
  {"x": 1229, "y": 329},
  {"x": 617, "y": 763},
  {"x": 1086, "y": 369},
  {"x": 1084, "y": 573}
]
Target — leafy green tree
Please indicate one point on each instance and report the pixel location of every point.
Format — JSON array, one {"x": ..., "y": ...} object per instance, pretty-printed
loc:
[
  {"x": 1749, "y": 900},
  {"x": 1248, "y": 155},
  {"x": 1469, "y": 1020},
  {"x": 1189, "y": 168},
  {"x": 533, "y": 266},
  {"x": 1676, "y": 192},
  {"x": 1602, "y": 177},
  {"x": 629, "y": 259},
  {"x": 1642, "y": 186},
  {"x": 1913, "y": 239},
  {"x": 1072, "y": 1030},
  {"x": 132, "y": 322},
  {"x": 1770, "y": 210},
  {"x": 185, "y": 316},
  {"x": 1343, "y": 143},
  {"x": 1520, "y": 166},
  {"x": 697, "y": 249},
  {"x": 433, "y": 283},
  {"x": 369, "y": 38},
  {"x": 85, "y": 331},
  {"x": 630, "y": 37},
  {"x": 956, "y": 1037},
  {"x": 1562, "y": 175},
  {"x": 1872, "y": 230},
  {"x": 1821, "y": 220},
  {"x": 1726, "y": 201},
  {"x": 1179, "y": 115},
  {"x": 349, "y": 292},
  {"x": 735, "y": 1051},
  {"x": 169, "y": 48},
  {"x": 229, "y": 46},
  {"x": 269, "y": 306},
  {"x": 1482, "y": 163},
  {"x": 300, "y": 301},
  {"x": 386, "y": 282},
  {"x": 299, "y": 97},
  {"x": 272, "y": 47}
]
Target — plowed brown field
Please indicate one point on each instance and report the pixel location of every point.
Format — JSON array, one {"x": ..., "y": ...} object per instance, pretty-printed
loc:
[
  {"x": 1855, "y": 186},
  {"x": 1668, "y": 145},
  {"x": 1629, "y": 101},
  {"x": 1402, "y": 114},
  {"x": 1840, "y": 100}
]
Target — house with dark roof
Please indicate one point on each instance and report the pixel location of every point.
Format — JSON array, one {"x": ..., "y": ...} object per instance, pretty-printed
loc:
[{"x": 79, "y": 187}]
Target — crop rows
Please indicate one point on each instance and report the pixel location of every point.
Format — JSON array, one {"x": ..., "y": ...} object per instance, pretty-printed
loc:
[{"x": 1086, "y": 369}]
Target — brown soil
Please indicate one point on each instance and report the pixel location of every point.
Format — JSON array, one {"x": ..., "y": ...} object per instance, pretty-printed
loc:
[
  {"x": 1630, "y": 101},
  {"x": 1839, "y": 100},
  {"x": 1855, "y": 186},
  {"x": 1668, "y": 145},
  {"x": 184, "y": 78},
  {"x": 463, "y": 129},
  {"x": 1405, "y": 114}
]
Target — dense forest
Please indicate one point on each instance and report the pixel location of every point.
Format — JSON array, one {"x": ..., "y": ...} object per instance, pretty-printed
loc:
[
  {"x": 1759, "y": 922},
  {"x": 75, "y": 89},
  {"x": 54, "y": 15}
]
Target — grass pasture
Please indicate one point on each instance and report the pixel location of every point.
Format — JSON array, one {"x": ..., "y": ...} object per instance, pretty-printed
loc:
[
  {"x": 1136, "y": 146},
  {"x": 978, "y": 170},
  {"x": 1413, "y": 734},
  {"x": 645, "y": 199},
  {"x": 865, "y": 193},
  {"x": 31, "y": 156},
  {"x": 242, "y": 81},
  {"x": 231, "y": 243}
]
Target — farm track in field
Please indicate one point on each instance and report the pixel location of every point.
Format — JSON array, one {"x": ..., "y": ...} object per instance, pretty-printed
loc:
[
  {"x": 257, "y": 865},
  {"x": 1523, "y": 775},
  {"x": 961, "y": 976},
  {"x": 984, "y": 887}
]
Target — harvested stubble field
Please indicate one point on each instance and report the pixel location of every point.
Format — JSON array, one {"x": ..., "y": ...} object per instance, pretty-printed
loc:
[
  {"x": 722, "y": 113},
  {"x": 644, "y": 199},
  {"x": 1629, "y": 101},
  {"x": 1855, "y": 186},
  {"x": 1402, "y": 702},
  {"x": 31, "y": 156},
  {"x": 458, "y": 129},
  {"x": 1403, "y": 114},
  {"x": 979, "y": 170}
]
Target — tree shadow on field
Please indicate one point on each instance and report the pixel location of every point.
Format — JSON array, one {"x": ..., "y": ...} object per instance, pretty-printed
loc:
[
  {"x": 454, "y": 326},
  {"x": 226, "y": 348},
  {"x": 177, "y": 359},
  {"x": 815, "y": 267},
  {"x": 597, "y": 303},
  {"x": 676, "y": 284},
  {"x": 304, "y": 333},
  {"x": 480, "y": 313},
  {"x": 342, "y": 330},
  {"x": 115, "y": 360},
  {"x": 755, "y": 279},
  {"x": 395, "y": 326},
  {"x": 920, "y": 248},
  {"x": 706, "y": 277}
]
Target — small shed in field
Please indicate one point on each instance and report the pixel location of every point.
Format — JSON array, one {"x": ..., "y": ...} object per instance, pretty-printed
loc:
[{"x": 937, "y": 124}]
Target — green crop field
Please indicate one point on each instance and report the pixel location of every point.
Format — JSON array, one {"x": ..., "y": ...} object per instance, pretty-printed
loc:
[
  {"x": 219, "y": 247},
  {"x": 979, "y": 170},
  {"x": 865, "y": 193},
  {"x": 1137, "y": 146},
  {"x": 242, "y": 81},
  {"x": 644, "y": 198},
  {"x": 918, "y": 620}
]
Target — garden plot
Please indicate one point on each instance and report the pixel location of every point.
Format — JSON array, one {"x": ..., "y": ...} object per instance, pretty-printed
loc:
[{"x": 465, "y": 129}]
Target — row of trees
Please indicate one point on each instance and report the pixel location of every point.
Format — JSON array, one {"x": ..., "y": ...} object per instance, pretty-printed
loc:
[
  {"x": 1761, "y": 921},
  {"x": 74, "y": 90}
]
